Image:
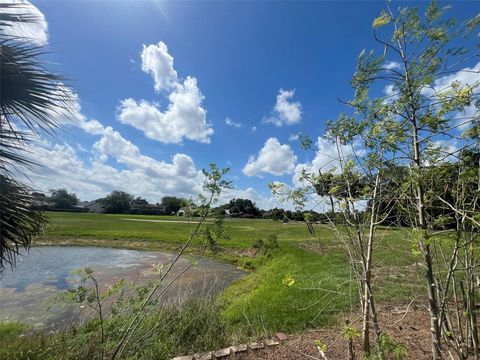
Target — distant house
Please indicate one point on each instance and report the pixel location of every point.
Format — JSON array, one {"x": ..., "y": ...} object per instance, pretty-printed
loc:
[
  {"x": 77, "y": 208},
  {"x": 42, "y": 204},
  {"x": 148, "y": 209},
  {"x": 267, "y": 214},
  {"x": 90, "y": 206}
]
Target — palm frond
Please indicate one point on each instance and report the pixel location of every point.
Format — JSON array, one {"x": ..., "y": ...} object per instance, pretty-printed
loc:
[
  {"x": 9, "y": 16},
  {"x": 32, "y": 99},
  {"x": 30, "y": 93},
  {"x": 19, "y": 223},
  {"x": 14, "y": 153}
]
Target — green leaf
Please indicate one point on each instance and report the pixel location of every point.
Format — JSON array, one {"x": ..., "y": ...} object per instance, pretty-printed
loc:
[{"x": 382, "y": 20}]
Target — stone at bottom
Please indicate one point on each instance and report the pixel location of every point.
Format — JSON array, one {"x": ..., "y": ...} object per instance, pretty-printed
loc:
[
  {"x": 256, "y": 345},
  {"x": 203, "y": 356},
  {"x": 188, "y": 357},
  {"x": 271, "y": 342},
  {"x": 222, "y": 353},
  {"x": 239, "y": 348}
]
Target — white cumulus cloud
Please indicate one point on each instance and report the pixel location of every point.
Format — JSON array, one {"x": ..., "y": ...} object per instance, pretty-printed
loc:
[
  {"x": 184, "y": 116},
  {"x": 285, "y": 111},
  {"x": 326, "y": 159},
  {"x": 274, "y": 158},
  {"x": 36, "y": 30},
  {"x": 61, "y": 166},
  {"x": 157, "y": 62}
]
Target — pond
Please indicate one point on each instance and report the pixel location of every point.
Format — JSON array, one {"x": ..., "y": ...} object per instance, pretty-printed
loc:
[{"x": 43, "y": 272}]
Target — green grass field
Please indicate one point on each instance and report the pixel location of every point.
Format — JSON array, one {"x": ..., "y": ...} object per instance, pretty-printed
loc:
[
  {"x": 173, "y": 229},
  {"x": 262, "y": 301}
]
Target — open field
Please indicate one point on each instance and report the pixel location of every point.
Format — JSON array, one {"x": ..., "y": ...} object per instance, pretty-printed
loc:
[
  {"x": 163, "y": 229},
  {"x": 260, "y": 303}
]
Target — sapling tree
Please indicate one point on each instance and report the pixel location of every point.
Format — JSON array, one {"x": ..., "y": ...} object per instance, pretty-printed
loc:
[
  {"x": 427, "y": 86},
  {"x": 351, "y": 187},
  {"x": 213, "y": 185},
  {"x": 430, "y": 84},
  {"x": 88, "y": 294},
  {"x": 457, "y": 287}
]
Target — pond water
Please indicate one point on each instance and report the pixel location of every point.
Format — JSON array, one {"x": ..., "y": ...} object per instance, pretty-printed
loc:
[{"x": 26, "y": 292}]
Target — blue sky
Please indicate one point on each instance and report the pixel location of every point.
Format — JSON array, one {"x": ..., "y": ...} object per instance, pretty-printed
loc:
[{"x": 156, "y": 82}]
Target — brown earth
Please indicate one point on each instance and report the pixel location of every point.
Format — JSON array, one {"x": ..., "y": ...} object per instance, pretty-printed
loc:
[{"x": 407, "y": 325}]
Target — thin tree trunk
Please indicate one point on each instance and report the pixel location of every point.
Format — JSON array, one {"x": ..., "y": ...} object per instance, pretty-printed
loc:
[
  {"x": 366, "y": 323},
  {"x": 364, "y": 291},
  {"x": 427, "y": 255},
  {"x": 432, "y": 302},
  {"x": 368, "y": 295},
  {"x": 100, "y": 315},
  {"x": 471, "y": 310}
]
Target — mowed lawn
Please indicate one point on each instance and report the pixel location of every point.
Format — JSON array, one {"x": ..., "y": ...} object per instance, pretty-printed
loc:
[
  {"x": 292, "y": 288},
  {"x": 167, "y": 229}
]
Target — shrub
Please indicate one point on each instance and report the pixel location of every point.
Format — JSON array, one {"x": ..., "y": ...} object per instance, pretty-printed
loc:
[{"x": 265, "y": 247}]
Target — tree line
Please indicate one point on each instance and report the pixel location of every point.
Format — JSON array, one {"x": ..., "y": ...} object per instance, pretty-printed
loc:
[
  {"x": 117, "y": 202},
  {"x": 121, "y": 202}
]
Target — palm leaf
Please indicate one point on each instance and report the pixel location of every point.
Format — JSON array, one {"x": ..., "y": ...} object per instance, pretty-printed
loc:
[
  {"x": 30, "y": 93},
  {"x": 9, "y": 17},
  {"x": 31, "y": 100},
  {"x": 19, "y": 223}
]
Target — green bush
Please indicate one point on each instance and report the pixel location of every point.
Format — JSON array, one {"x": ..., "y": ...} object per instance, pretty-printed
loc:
[{"x": 265, "y": 247}]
